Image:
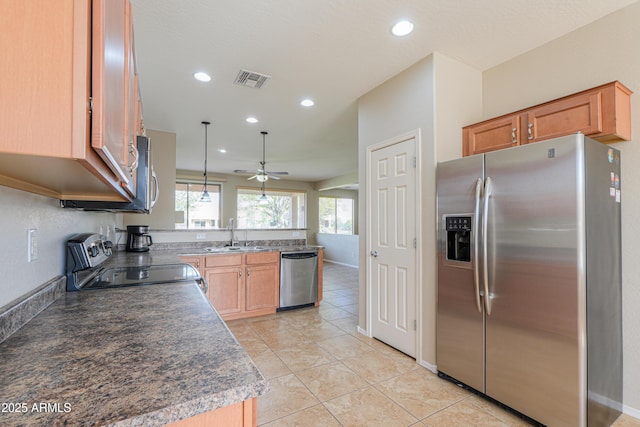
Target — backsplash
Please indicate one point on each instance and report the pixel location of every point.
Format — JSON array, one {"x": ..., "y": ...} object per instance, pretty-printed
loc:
[{"x": 21, "y": 211}]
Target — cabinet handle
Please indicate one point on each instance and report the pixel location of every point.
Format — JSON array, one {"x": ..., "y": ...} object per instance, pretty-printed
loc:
[
  {"x": 197, "y": 263},
  {"x": 514, "y": 140},
  {"x": 529, "y": 132},
  {"x": 248, "y": 273},
  {"x": 134, "y": 151},
  {"x": 240, "y": 272}
]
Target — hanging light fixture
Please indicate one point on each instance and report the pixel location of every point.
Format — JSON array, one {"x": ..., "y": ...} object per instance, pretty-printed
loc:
[
  {"x": 205, "y": 197},
  {"x": 263, "y": 199}
]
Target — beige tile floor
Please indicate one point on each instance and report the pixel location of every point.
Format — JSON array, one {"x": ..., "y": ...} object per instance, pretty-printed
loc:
[{"x": 323, "y": 373}]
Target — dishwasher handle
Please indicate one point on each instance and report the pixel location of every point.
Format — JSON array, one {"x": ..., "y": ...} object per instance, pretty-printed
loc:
[{"x": 298, "y": 255}]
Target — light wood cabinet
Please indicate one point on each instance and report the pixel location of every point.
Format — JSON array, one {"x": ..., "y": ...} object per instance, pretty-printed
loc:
[
  {"x": 602, "y": 113},
  {"x": 262, "y": 283},
  {"x": 66, "y": 111},
  {"x": 242, "y": 414},
  {"x": 226, "y": 290},
  {"x": 241, "y": 285}
]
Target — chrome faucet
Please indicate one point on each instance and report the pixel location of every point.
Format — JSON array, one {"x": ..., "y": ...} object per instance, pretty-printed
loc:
[{"x": 231, "y": 228}]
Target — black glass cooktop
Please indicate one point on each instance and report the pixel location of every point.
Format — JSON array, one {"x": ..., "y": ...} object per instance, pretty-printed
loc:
[{"x": 139, "y": 276}]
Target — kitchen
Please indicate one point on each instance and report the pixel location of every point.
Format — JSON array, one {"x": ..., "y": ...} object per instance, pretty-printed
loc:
[{"x": 525, "y": 80}]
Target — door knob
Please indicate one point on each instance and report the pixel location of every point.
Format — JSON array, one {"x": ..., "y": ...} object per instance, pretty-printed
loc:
[{"x": 374, "y": 254}]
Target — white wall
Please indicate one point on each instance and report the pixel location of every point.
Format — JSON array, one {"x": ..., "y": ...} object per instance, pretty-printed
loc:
[
  {"x": 598, "y": 53},
  {"x": 20, "y": 211},
  {"x": 437, "y": 95},
  {"x": 340, "y": 248}
]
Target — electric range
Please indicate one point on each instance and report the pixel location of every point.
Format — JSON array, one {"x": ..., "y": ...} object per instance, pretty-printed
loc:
[{"x": 87, "y": 254}]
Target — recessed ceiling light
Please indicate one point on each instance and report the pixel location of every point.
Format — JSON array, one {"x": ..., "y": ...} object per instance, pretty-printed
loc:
[
  {"x": 252, "y": 120},
  {"x": 203, "y": 77},
  {"x": 307, "y": 102},
  {"x": 402, "y": 28},
  {"x": 222, "y": 150}
]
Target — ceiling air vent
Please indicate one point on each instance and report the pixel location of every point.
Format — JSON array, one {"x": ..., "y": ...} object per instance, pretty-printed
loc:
[{"x": 251, "y": 79}]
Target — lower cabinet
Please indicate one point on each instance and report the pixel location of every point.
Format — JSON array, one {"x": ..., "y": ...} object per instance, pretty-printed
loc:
[
  {"x": 241, "y": 285},
  {"x": 241, "y": 414}
]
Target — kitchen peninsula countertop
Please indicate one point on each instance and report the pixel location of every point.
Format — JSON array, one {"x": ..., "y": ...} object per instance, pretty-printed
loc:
[{"x": 137, "y": 356}]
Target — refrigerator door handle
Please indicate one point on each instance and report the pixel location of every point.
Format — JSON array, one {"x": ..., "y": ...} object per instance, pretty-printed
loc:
[
  {"x": 476, "y": 243},
  {"x": 485, "y": 257}
]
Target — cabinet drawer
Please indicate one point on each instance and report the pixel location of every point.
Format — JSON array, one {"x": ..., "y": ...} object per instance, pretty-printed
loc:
[
  {"x": 222, "y": 260},
  {"x": 262, "y": 258}
]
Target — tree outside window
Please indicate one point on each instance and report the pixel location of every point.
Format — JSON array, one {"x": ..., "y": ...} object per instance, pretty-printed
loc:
[
  {"x": 336, "y": 215},
  {"x": 193, "y": 214},
  {"x": 278, "y": 209}
]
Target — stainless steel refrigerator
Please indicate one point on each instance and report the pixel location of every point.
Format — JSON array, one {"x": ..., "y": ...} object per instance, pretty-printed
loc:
[{"x": 529, "y": 279}]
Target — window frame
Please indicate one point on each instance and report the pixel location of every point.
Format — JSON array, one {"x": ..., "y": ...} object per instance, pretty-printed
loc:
[
  {"x": 258, "y": 191},
  {"x": 200, "y": 184},
  {"x": 335, "y": 215}
]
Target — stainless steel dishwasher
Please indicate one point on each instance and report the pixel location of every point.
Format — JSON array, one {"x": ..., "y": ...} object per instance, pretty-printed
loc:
[{"x": 298, "y": 279}]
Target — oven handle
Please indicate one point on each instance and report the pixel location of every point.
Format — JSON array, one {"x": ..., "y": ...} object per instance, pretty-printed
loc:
[{"x": 204, "y": 286}]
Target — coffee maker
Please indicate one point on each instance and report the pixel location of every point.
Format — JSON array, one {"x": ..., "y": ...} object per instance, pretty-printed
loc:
[{"x": 138, "y": 239}]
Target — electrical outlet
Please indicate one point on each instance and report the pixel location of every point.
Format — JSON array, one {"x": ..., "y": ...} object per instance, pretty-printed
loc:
[
  {"x": 201, "y": 236},
  {"x": 32, "y": 244},
  {"x": 295, "y": 234}
]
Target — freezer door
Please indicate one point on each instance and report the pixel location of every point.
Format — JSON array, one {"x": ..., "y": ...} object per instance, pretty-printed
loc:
[
  {"x": 460, "y": 329},
  {"x": 535, "y": 259}
]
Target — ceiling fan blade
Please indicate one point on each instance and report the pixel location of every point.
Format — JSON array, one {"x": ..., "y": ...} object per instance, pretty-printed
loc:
[
  {"x": 279, "y": 173},
  {"x": 273, "y": 176},
  {"x": 253, "y": 177},
  {"x": 242, "y": 171}
]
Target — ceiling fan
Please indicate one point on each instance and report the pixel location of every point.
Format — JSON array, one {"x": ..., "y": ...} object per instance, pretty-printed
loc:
[{"x": 261, "y": 174}]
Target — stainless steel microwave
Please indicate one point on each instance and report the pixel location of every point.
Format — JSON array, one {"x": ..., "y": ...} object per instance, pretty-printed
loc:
[{"x": 146, "y": 188}]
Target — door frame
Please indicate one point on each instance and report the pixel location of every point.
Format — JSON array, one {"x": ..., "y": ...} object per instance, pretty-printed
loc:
[{"x": 416, "y": 136}]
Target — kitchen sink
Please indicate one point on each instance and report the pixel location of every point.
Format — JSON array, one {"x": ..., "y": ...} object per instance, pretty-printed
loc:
[
  {"x": 216, "y": 249},
  {"x": 226, "y": 249}
]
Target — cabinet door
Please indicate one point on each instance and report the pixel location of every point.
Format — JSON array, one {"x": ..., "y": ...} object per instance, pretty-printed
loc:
[
  {"x": 502, "y": 132},
  {"x": 580, "y": 113},
  {"x": 226, "y": 289},
  {"x": 110, "y": 71},
  {"x": 262, "y": 287}
]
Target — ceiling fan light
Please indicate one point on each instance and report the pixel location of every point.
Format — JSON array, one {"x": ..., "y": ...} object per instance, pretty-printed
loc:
[
  {"x": 263, "y": 199},
  {"x": 262, "y": 178}
]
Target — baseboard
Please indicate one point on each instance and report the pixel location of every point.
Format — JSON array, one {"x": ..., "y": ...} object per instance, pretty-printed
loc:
[
  {"x": 339, "y": 263},
  {"x": 363, "y": 332},
  {"x": 429, "y": 366},
  {"x": 632, "y": 412}
]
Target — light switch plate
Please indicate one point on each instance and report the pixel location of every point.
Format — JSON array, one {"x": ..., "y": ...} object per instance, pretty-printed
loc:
[{"x": 32, "y": 244}]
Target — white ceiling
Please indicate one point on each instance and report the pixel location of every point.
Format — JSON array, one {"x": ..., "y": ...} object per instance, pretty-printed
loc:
[{"x": 333, "y": 51}]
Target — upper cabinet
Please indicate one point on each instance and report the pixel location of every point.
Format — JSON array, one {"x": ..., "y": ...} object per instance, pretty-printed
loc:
[
  {"x": 602, "y": 113},
  {"x": 70, "y": 104}
]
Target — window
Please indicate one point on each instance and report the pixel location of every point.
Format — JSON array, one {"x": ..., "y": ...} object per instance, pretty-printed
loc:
[
  {"x": 279, "y": 209},
  {"x": 336, "y": 215},
  {"x": 191, "y": 212}
]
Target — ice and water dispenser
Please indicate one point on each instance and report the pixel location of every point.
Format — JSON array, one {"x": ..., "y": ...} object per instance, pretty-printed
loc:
[{"x": 458, "y": 230}]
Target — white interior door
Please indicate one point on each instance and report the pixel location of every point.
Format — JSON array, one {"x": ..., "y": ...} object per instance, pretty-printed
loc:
[{"x": 392, "y": 267}]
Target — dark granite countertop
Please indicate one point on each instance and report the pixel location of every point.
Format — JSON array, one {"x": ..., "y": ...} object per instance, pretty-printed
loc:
[
  {"x": 138, "y": 356},
  {"x": 172, "y": 254}
]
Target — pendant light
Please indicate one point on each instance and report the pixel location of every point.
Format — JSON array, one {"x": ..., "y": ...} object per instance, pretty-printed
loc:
[
  {"x": 205, "y": 197},
  {"x": 263, "y": 199}
]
